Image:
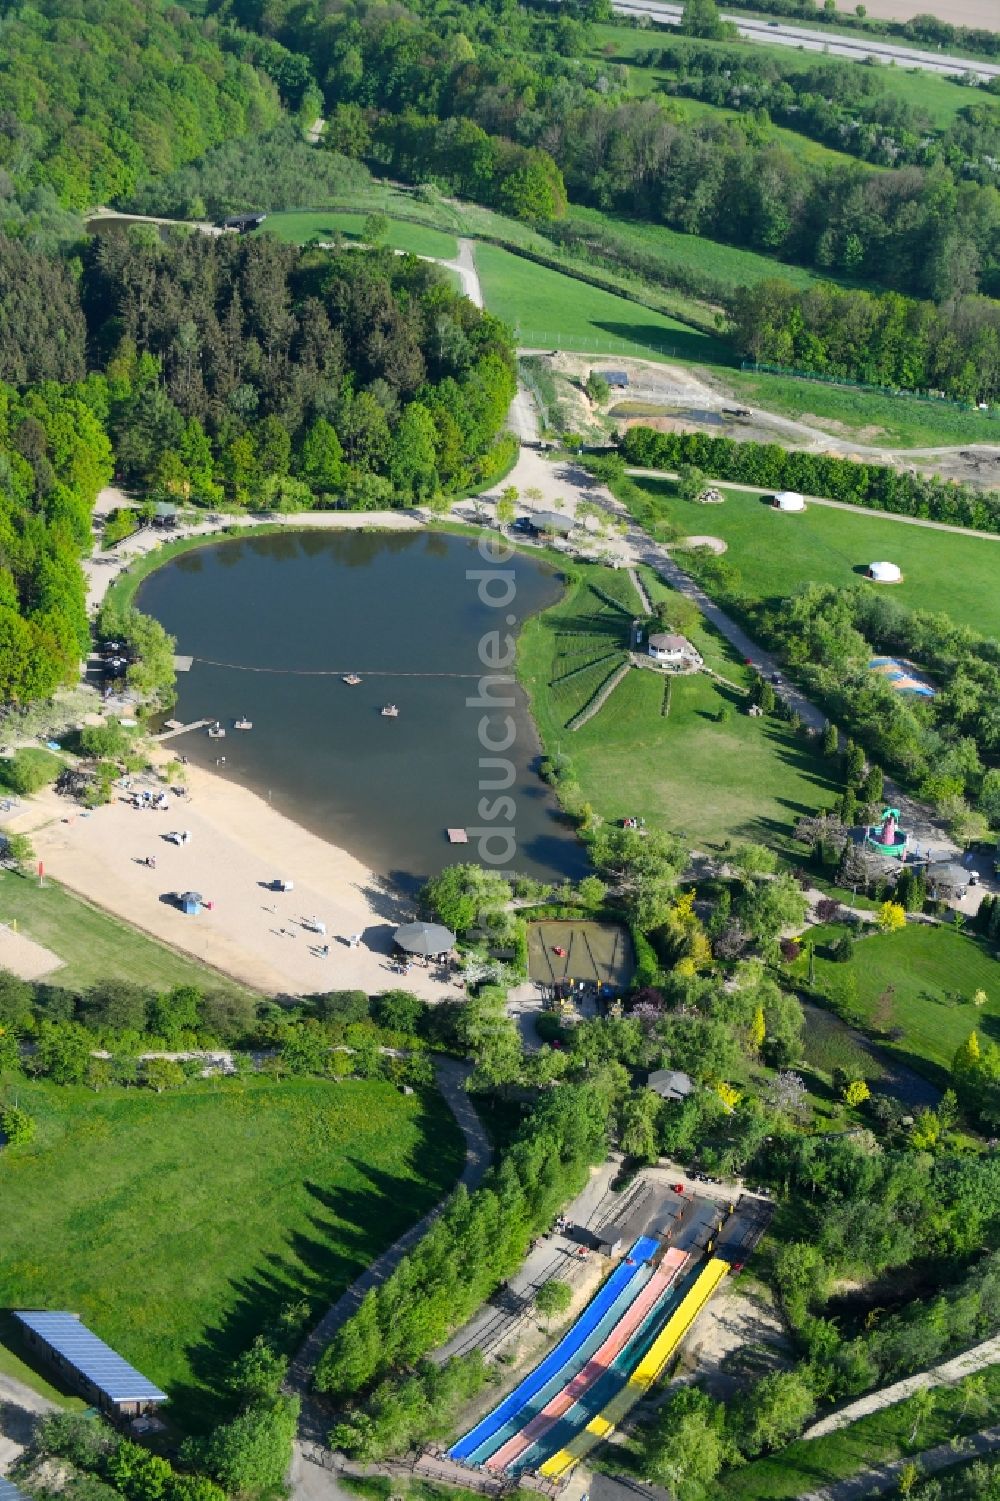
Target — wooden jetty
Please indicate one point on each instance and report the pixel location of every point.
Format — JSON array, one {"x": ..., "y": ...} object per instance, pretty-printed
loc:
[{"x": 182, "y": 729}]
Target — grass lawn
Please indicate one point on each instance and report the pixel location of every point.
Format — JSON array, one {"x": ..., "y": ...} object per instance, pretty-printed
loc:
[
  {"x": 178, "y": 1255},
  {"x": 724, "y": 263},
  {"x": 745, "y": 778},
  {"x": 935, "y": 972},
  {"x": 806, "y": 1465},
  {"x": 94, "y": 945},
  {"x": 297, "y": 228},
  {"x": 550, "y": 310},
  {"x": 896, "y": 421},
  {"x": 775, "y": 553},
  {"x": 827, "y": 1045},
  {"x": 12, "y": 1365}
]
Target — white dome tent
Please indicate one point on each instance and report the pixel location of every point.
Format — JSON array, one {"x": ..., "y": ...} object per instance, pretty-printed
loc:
[
  {"x": 885, "y": 573},
  {"x": 789, "y": 500}
]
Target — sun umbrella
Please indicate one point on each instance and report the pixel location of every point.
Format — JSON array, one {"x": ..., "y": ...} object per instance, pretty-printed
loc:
[{"x": 424, "y": 938}]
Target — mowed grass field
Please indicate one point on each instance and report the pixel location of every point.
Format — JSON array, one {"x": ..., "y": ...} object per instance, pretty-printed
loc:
[
  {"x": 934, "y": 972},
  {"x": 297, "y": 228},
  {"x": 547, "y": 309},
  {"x": 704, "y": 779},
  {"x": 93, "y": 945},
  {"x": 180, "y": 1225},
  {"x": 776, "y": 553}
]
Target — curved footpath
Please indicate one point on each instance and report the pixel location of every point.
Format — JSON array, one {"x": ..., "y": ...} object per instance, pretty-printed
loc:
[{"x": 310, "y": 1479}]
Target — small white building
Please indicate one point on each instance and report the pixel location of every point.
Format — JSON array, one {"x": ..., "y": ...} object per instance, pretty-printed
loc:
[
  {"x": 674, "y": 651},
  {"x": 885, "y": 573},
  {"x": 789, "y": 500}
]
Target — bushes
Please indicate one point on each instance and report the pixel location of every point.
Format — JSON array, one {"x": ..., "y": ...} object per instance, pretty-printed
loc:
[
  {"x": 413, "y": 1411},
  {"x": 28, "y": 771},
  {"x": 250, "y": 1455}
]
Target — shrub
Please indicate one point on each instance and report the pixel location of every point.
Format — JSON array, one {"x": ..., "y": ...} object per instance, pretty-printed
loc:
[
  {"x": 28, "y": 771},
  {"x": 17, "y": 1125},
  {"x": 842, "y": 950}
]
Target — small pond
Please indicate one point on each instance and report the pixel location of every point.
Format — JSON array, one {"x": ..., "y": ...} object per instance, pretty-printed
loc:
[{"x": 274, "y": 622}]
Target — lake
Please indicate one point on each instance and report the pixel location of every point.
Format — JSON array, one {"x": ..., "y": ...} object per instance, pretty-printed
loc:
[{"x": 273, "y": 623}]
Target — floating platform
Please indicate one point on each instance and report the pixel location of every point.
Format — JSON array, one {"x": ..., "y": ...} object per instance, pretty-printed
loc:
[
  {"x": 457, "y": 836},
  {"x": 183, "y": 664}
]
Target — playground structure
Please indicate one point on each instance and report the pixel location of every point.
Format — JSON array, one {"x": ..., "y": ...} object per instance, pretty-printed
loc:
[
  {"x": 887, "y": 837},
  {"x": 563, "y": 953},
  {"x": 617, "y": 1348}
]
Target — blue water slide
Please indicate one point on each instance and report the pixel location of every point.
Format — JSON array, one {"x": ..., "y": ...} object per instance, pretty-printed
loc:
[
  {"x": 591, "y": 1316},
  {"x": 627, "y": 1295}
]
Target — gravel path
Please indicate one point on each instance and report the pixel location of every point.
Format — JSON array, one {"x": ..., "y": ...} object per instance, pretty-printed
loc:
[{"x": 976, "y": 1359}]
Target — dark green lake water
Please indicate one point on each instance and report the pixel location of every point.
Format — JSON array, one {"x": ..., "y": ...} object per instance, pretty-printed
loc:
[{"x": 331, "y": 602}]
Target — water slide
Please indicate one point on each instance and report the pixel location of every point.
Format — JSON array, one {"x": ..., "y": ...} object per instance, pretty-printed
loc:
[
  {"x": 630, "y": 1293},
  {"x": 644, "y": 1248},
  {"x": 571, "y": 1391},
  {"x": 645, "y": 1373}
]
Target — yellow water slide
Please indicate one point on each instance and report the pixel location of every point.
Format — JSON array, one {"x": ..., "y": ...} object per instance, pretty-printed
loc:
[{"x": 645, "y": 1373}]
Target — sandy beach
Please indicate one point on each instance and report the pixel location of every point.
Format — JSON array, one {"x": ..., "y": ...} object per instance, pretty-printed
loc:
[{"x": 238, "y": 846}]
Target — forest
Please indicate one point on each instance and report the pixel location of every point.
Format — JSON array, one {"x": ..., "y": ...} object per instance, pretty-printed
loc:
[
  {"x": 270, "y": 375},
  {"x": 876, "y": 339},
  {"x": 54, "y": 458},
  {"x": 221, "y": 369},
  {"x": 98, "y": 94},
  {"x": 439, "y": 98}
]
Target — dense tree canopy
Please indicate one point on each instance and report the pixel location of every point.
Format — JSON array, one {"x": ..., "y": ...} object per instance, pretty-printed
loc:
[
  {"x": 98, "y": 95},
  {"x": 54, "y": 457},
  {"x": 255, "y": 370}
]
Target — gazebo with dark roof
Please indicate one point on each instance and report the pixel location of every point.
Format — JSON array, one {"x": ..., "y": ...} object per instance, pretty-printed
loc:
[{"x": 424, "y": 938}]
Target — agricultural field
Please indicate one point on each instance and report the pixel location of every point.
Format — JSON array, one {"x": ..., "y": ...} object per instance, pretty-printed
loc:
[
  {"x": 178, "y": 1256},
  {"x": 688, "y": 771},
  {"x": 871, "y": 418},
  {"x": 93, "y": 945},
  {"x": 550, "y": 310},
  {"x": 933, "y": 974},
  {"x": 297, "y": 228},
  {"x": 776, "y": 553}
]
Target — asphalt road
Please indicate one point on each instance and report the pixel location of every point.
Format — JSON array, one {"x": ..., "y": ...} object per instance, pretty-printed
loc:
[{"x": 836, "y": 45}]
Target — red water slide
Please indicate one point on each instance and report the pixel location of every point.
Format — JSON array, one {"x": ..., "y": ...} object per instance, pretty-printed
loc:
[{"x": 599, "y": 1362}]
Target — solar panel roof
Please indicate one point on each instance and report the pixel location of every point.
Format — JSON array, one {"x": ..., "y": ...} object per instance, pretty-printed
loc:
[
  {"x": 10, "y": 1492},
  {"x": 78, "y": 1345}
]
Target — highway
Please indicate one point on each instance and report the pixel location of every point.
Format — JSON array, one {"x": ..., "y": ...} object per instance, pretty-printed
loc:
[{"x": 778, "y": 34}]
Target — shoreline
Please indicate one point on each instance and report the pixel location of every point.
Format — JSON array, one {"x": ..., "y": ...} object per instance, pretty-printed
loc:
[{"x": 238, "y": 846}]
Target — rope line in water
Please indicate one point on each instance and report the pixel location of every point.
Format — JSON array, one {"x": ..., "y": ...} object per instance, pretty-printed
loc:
[{"x": 330, "y": 672}]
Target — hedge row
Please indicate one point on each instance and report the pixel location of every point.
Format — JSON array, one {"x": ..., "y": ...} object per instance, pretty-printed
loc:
[{"x": 772, "y": 467}]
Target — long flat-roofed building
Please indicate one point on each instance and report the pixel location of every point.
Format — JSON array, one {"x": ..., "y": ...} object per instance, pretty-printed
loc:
[{"x": 86, "y": 1362}]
